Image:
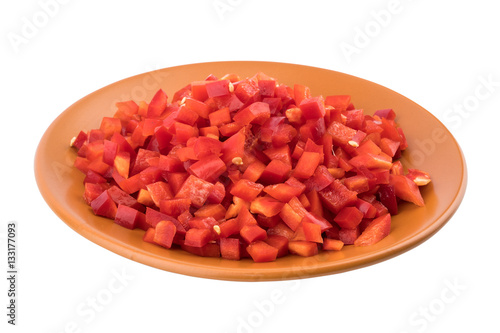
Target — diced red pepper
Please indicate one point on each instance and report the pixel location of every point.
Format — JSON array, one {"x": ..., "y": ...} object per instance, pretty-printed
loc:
[
  {"x": 337, "y": 196},
  {"x": 230, "y": 248},
  {"x": 332, "y": 244},
  {"x": 255, "y": 113},
  {"x": 313, "y": 108},
  {"x": 157, "y": 104},
  {"x": 249, "y": 167},
  {"x": 376, "y": 230},
  {"x": 339, "y": 102},
  {"x": 275, "y": 172},
  {"x": 246, "y": 189},
  {"x": 197, "y": 237},
  {"x": 195, "y": 189},
  {"x": 308, "y": 232},
  {"x": 406, "y": 189},
  {"x": 164, "y": 233},
  {"x": 208, "y": 168},
  {"x": 307, "y": 164},
  {"x": 260, "y": 251},
  {"x": 266, "y": 206},
  {"x": 303, "y": 248},
  {"x": 252, "y": 233},
  {"x": 126, "y": 217},
  {"x": 348, "y": 217},
  {"x": 174, "y": 207},
  {"x": 104, "y": 205},
  {"x": 153, "y": 217},
  {"x": 279, "y": 242},
  {"x": 217, "y": 88}
]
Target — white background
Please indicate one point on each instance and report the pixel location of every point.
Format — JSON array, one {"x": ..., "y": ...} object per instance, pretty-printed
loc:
[{"x": 439, "y": 54}]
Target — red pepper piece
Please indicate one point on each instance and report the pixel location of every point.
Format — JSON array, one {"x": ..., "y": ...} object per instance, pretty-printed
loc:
[
  {"x": 104, "y": 205},
  {"x": 386, "y": 113},
  {"x": 200, "y": 108},
  {"x": 266, "y": 206},
  {"x": 279, "y": 242},
  {"x": 341, "y": 134},
  {"x": 406, "y": 189},
  {"x": 229, "y": 227},
  {"x": 337, "y": 196},
  {"x": 281, "y": 229},
  {"x": 267, "y": 87},
  {"x": 110, "y": 126},
  {"x": 149, "y": 235},
  {"x": 321, "y": 179},
  {"x": 195, "y": 189},
  {"x": 217, "y": 88},
  {"x": 318, "y": 220},
  {"x": 220, "y": 117},
  {"x": 313, "y": 108},
  {"x": 159, "y": 191},
  {"x": 376, "y": 230},
  {"x": 313, "y": 129},
  {"x": 157, "y": 104},
  {"x": 164, "y": 233},
  {"x": 260, "y": 251},
  {"x": 332, "y": 244},
  {"x": 199, "y": 90},
  {"x": 93, "y": 190},
  {"x": 174, "y": 207},
  {"x": 246, "y": 189},
  {"x": 303, "y": 248},
  {"x": 208, "y": 168},
  {"x": 300, "y": 93},
  {"x": 230, "y": 248},
  {"x": 339, "y": 102},
  {"x": 348, "y": 217},
  {"x": 217, "y": 194},
  {"x": 275, "y": 172},
  {"x": 290, "y": 216},
  {"x": 120, "y": 197},
  {"x": 126, "y": 217},
  {"x": 284, "y": 192},
  {"x": 197, "y": 237},
  {"x": 307, "y": 231},
  {"x": 368, "y": 210},
  {"x": 153, "y": 217},
  {"x": 252, "y": 233},
  {"x": 255, "y": 113},
  {"x": 216, "y": 211},
  {"x": 307, "y": 164},
  {"x": 247, "y": 91},
  {"x": 387, "y": 196},
  {"x": 208, "y": 250},
  {"x": 205, "y": 146},
  {"x": 349, "y": 236}
]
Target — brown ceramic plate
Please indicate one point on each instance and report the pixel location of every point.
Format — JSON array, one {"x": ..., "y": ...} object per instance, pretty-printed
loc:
[{"x": 431, "y": 148}]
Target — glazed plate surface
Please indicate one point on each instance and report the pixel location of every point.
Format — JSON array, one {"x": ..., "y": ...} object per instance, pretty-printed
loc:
[{"x": 431, "y": 148}]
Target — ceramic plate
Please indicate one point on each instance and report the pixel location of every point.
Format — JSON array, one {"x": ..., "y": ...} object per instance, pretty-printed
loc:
[{"x": 431, "y": 148}]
